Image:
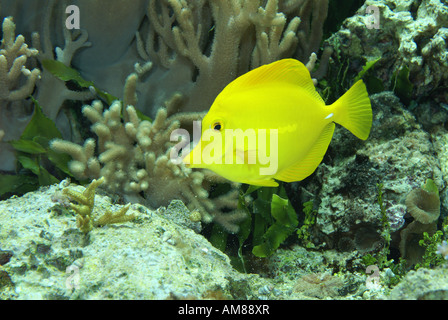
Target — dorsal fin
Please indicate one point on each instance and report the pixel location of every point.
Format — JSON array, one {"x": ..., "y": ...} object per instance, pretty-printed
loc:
[{"x": 286, "y": 71}]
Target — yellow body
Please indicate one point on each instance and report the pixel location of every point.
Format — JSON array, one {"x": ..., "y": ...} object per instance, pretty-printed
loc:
[{"x": 278, "y": 101}]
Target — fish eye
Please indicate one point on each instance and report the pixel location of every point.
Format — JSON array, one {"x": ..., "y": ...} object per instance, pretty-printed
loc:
[{"x": 217, "y": 126}]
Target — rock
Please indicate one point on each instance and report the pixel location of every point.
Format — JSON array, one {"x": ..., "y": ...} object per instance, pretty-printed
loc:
[
  {"x": 179, "y": 213},
  {"x": 410, "y": 33},
  {"x": 45, "y": 256},
  {"x": 423, "y": 284},
  {"x": 153, "y": 257},
  {"x": 399, "y": 154},
  {"x": 5, "y": 256}
]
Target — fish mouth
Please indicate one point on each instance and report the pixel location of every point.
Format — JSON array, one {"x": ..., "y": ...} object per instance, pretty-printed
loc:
[
  {"x": 192, "y": 156},
  {"x": 186, "y": 160}
]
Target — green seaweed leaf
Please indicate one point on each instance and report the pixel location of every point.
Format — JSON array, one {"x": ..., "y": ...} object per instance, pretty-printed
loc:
[
  {"x": 142, "y": 116},
  {"x": 105, "y": 96},
  {"x": 32, "y": 153},
  {"x": 40, "y": 125},
  {"x": 402, "y": 86},
  {"x": 245, "y": 229},
  {"x": 283, "y": 212},
  {"x": 65, "y": 73},
  {"x": 304, "y": 232},
  {"x": 373, "y": 84},
  {"x": 285, "y": 224},
  {"x": 365, "y": 68},
  {"x": 430, "y": 186},
  {"x": 218, "y": 237},
  {"x": 431, "y": 258},
  {"x": 17, "y": 184},
  {"x": 45, "y": 177},
  {"x": 29, "y": 163},
  {"x": 27, "y": 146},
  {"x": 251, "y": 189}
]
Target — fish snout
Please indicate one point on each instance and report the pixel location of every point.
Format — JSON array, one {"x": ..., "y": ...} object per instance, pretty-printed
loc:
[
  {"x": 191, "y": 159},
  {"x": 186, "y": 160}
]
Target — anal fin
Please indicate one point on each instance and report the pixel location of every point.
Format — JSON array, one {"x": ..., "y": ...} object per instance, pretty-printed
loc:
[
  {"x": 308, "y": 165},
  {"x": 263, "y": 183}
]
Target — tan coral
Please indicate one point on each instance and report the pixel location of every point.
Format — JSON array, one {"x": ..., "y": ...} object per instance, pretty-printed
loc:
[
  {"x": 110, "y": 217},
  {"x": 16, "y": 81},
  {"x": 423, "y": 206},
  {"x": 409, "y": 237},
  {"x": 312, "y": 14},
  {"x": 85, "y": 219},
  {"x": 134, "y": 159},
  {"x": 85, "y": 203},
  {"x": 273, "y": 41},
  {"x": 220, "y": 40},
  {"x": 52, "y": 91}
]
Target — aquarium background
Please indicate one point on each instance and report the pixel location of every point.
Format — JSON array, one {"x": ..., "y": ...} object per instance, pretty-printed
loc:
[{"x": 93, "y": 208}]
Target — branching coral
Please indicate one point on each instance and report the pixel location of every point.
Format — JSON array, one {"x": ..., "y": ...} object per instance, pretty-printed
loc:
[
  {"x": 216, "y": 41},
  {"x": 85, "y": 218},
  {"x": 53, "y": 92},
  {"x": 14, "y": 53},
  {"x": 134, "y": 159},
  {"x": 16, "y": 83}
]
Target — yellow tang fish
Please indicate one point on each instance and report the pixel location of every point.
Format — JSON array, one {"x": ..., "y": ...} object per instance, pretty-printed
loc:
[{"x": 271, "y": 124}]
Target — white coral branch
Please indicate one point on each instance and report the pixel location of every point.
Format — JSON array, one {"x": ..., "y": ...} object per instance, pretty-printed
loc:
[{"x": 16, "y": 81}]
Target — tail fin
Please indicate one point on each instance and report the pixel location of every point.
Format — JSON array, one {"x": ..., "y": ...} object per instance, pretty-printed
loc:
[{"x": 353, "y": 111}]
